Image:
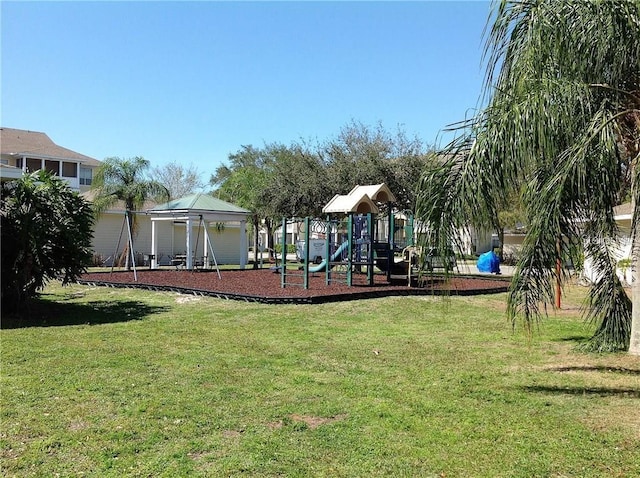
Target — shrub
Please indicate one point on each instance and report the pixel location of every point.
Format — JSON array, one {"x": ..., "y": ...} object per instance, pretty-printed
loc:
[
  {"x": 291, "y": 248},
  {"x": 46, "y": 231}
]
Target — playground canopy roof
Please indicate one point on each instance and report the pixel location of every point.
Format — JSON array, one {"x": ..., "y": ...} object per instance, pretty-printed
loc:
[
  {"x": 210, "y": 208},
  {"x": 379, "y": 193},
  {"x": 360, "y": 200}
]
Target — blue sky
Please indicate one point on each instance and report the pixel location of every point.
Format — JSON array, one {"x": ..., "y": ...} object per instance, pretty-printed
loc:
[{"x": 194, "y": 81}]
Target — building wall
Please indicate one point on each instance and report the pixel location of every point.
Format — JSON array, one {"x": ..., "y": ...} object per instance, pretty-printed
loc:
[
  {"x": 512, "y": 244},
  {"x": 225, "y": 243},
  {"x": 110, "y": 234},
  {"x": 621, "y": 250}
]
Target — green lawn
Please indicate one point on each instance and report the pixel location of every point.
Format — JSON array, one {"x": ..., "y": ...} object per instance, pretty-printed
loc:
[{"x": 135, "y": 383}]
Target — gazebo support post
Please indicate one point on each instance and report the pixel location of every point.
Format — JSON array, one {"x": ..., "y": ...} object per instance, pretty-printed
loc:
[
  {"x": 205, "y": 246},
  {"x": 189, "y": 259},
  {"x": 154, "y": 245}
]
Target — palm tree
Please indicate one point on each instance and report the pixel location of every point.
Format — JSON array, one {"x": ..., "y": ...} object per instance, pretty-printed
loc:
[
  {"x": 561, "y": 117},
  {"x": 124, "y": 180}
]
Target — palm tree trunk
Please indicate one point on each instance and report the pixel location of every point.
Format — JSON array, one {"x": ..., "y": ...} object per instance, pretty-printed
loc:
[
  {"x": 634, "y": 342},
  {"x": 634, "y": 336}
]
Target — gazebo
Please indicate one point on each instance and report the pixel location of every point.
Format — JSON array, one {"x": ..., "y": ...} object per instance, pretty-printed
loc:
[{"x": 194, "y": 211}]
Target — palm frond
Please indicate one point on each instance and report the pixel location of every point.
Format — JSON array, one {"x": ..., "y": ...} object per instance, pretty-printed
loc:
[{"x": 561, "y": 120}]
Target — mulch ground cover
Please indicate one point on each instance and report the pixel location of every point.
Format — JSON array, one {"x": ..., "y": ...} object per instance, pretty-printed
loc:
[{"x": 265, "y": 286}]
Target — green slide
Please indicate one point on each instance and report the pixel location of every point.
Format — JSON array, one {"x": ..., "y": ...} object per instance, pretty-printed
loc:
[{"x": 320, "y": 267}]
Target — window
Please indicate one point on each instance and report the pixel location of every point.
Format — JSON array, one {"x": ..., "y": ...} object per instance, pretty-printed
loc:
[
  {"x": 86, "y": 176},
  {"x": 33, "y": 165},
  {"x": 52, "y": 166},
  {"x": 69, "y": 170}
]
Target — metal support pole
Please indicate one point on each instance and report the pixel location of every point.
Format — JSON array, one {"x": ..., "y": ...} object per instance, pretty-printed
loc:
[
  {"x": 213, "y": 254},
  {"x": 327, "y": 252},
  {"x": 392, "y": 242},
  {"x": 370, "y": 249},
  {"x": 115, "y": 253},
  {"x": 283, "y": 261},
  {"x": 350, "y": 249},
  {"x": 306, "y": 252},
  {"x": 133, "y": 259}
]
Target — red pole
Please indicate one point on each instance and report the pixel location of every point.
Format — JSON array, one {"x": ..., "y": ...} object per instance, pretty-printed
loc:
[{"x": 558, "y": 285}]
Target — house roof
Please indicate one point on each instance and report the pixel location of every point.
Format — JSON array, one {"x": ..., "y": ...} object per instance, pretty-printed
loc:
[
  {"x": 198, "y": 203},
  {"x": 20, "y": 142}
]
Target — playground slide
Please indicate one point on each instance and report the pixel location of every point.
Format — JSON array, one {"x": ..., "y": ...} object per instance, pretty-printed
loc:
[{"x": 320, "y": 267}]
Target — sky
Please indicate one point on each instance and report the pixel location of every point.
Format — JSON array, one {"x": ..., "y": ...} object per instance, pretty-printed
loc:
[{"x": 192, "y": 82}]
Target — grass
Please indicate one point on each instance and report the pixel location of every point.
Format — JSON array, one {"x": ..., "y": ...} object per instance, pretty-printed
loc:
[{"x": 134, "y": 383}]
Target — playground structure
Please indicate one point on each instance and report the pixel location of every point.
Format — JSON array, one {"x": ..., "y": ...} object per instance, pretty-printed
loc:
[
  {"x": 354, "y": 244},
  {"x": 348, "y": 250}
]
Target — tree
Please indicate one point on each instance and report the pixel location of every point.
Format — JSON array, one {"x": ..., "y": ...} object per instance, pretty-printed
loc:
[
  {"x": 242, "y": 182},
  {"x": 364, "y": 155},
  {"x": 297, "y": 182},
  {"x": 46, "y": 233},
  {"x": 562, "y": 119},
  {"x": 125, "y": 180},
  {"x": 273, "y": 182},
  {"x": 178, "y": 179}
]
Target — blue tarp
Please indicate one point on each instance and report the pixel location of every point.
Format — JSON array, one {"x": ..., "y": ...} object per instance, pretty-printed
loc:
[{"x": 489, "y": 262}]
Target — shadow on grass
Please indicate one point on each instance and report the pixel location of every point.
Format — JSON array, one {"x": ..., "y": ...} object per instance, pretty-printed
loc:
[
  {"x": 598, "y": 391},
  {"x": 573, "y": 338},
  {"x": 46, "y": 313},
  {"x": 596, "y": 368}
]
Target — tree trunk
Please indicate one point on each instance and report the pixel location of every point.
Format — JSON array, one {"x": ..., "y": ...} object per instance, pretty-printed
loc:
[
  {"x": 270, "y": 245},
  {"x": 634, "y": 342},
  {"x": 501, "y": 241}
]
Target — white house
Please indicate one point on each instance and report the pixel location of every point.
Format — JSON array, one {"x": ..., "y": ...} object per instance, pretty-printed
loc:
[{"x": 23, "y": 151}]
